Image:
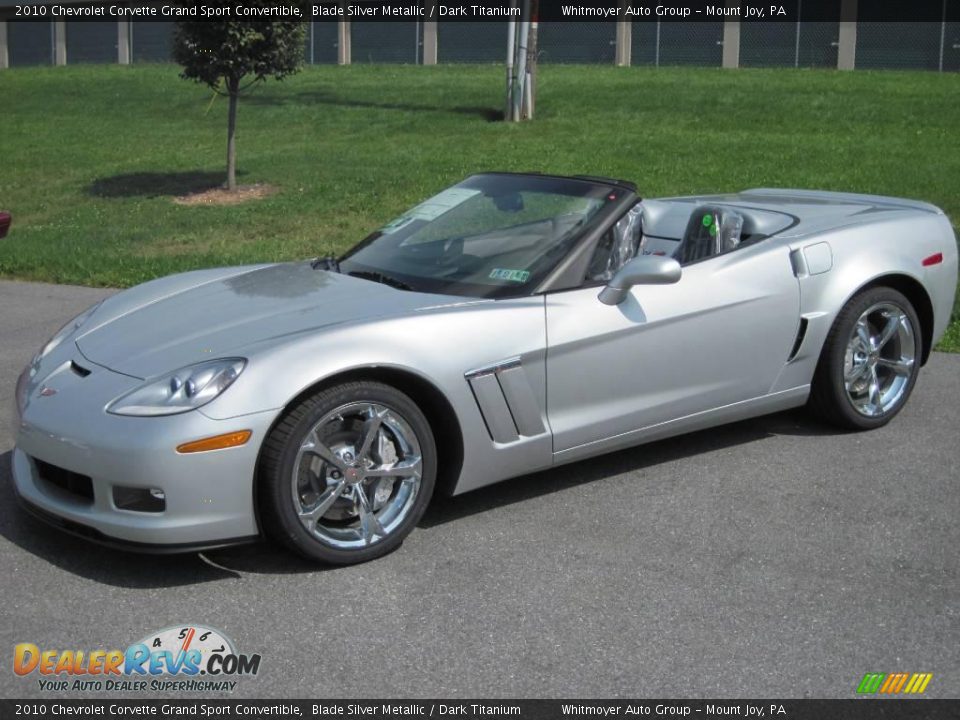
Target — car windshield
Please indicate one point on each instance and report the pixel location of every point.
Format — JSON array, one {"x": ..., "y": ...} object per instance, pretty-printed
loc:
[{"x": 489, "y": 236}]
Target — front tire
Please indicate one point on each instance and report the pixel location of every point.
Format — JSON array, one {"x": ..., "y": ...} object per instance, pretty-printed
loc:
[
  {"x": 347, "y": 473},
  {"x": 870, "y": 361}
]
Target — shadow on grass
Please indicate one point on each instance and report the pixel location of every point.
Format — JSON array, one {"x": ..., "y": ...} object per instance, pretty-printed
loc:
[
  {"x": 315, "y": 97},
  {"x": 157, "y": 184}
]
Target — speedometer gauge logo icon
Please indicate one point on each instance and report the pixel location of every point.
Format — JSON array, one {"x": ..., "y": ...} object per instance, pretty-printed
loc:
[{"x": 200, "y": 641}]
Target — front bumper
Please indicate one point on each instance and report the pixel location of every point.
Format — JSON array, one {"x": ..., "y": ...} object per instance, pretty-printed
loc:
[
  {"x": 208, "y": 496},
  {"x": 92, "y": 534}
]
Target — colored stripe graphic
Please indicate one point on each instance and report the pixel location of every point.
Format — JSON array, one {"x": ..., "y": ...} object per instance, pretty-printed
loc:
[
  {"x": 894, "y": 683},
  {"x": 889, "y": 683},
  {"x": 918, "y": 683},
  {"x": 871, "y": 682}
]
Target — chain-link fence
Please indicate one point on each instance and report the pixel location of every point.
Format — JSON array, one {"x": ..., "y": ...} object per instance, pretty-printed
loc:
[
  {"x": 30, "y": 43},
  {"x": 691, "y": 43},
  {"x": 796, "y": 44},
  {"x": 677, "y": 43},
  {"x": 913, "y": 47},
  {"x": 322, "y": 43},
  {"x": 576, "y": 42},
  {"x": 951, "y": 60},
  {"x": 386, "y": 42},
  {"x": 150, "y": 42},
  {"x": 92, "y": 42},
  {"x": 477, "y": 42},
  {"x": 878, "y": 45}
]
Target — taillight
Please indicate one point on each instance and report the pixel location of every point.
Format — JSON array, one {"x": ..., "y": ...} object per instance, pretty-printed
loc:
[
  {"x": 5, "y": 220},
  {"x": 933, "y": 260}
]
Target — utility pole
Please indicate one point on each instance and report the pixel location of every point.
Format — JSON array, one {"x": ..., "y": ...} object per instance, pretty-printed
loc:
[
  {"x": 522, "y": 62},
  {"x": 532, "y": 53},
  {"x": 511, "y": 58}
]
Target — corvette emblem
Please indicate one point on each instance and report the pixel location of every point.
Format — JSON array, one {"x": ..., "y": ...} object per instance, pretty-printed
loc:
[{"x": 47, "y": 391}]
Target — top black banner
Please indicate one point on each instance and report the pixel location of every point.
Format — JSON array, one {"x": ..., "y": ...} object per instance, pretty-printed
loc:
[{"x": 359, "y": 11}]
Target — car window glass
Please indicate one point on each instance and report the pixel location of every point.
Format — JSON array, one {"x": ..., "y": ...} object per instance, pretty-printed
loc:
[
  {"x": 490, "y": 236},
  {"x": 617, "y": 247}
]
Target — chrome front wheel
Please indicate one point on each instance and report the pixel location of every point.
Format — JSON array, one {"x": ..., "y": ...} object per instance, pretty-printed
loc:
[
  {"x": 357, "y": 475},
  {"x": 347, "y": 473}
]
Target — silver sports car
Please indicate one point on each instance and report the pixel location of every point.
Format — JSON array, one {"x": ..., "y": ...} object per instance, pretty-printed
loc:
[{"x": 511, "y": 323}]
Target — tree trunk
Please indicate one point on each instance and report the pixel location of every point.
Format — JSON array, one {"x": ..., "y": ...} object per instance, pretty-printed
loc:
[{"x": 233, "y": 89}]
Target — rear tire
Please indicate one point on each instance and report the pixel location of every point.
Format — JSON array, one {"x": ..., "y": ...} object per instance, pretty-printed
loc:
[
  {"x": 870, "y": 361},
  {"x": 347, "y": 473}
]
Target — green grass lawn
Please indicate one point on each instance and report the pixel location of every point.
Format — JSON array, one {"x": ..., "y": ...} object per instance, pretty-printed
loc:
[{"x": 93, "y": 155}]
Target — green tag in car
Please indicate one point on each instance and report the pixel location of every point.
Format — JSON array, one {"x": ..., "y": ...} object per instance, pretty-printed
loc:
[{"x": 520, "y": 276}]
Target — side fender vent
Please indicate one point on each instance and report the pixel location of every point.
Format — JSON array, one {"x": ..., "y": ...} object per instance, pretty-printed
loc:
[
  {"x": 506, "y": 401},
  {"x": 801, "y": 334}
]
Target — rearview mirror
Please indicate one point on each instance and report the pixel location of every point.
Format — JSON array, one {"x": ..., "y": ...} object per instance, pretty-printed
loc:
[
  {"x": 509, "y": 202},
  {"x": 643, "y": 270}
]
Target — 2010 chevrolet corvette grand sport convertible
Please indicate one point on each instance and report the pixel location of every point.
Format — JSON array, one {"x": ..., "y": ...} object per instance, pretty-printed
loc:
[{"x": 509, "y": 324}]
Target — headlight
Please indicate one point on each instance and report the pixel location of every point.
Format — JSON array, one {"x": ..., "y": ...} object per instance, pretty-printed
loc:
[
  {"x": 180, "y": 391},
  {"x": 23, "y": 382},
  {"x": 66, "y": 331}
]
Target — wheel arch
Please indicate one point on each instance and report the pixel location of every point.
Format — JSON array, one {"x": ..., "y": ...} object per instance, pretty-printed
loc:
[
  {"x": 440, "y": 414},
  {"x": 914, "y": 291}
]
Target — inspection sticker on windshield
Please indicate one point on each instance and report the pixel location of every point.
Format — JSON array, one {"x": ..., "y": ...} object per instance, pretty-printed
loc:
[
  {"x": 520, "y": 276},
  {"x": 431, "y": 209},
  {"x": 443, "y": 202}
]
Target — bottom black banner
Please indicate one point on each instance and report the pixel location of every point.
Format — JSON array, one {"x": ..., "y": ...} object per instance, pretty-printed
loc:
[{"x": 482, "y": 709}]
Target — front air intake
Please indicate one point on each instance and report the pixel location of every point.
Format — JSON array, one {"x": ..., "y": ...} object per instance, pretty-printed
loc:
[
  {"x": 146, "y": 500},
  {"x": 77, "y": 485}
]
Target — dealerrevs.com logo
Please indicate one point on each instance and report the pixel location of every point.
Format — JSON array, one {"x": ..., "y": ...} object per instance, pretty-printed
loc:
[{"x": 190, "y": 658}]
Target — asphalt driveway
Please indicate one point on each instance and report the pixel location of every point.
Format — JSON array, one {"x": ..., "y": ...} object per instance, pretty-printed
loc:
[{"x": 774, "y": 557}]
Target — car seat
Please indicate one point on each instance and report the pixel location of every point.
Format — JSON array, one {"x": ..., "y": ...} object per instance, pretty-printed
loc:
[
  {"x": 617, "y": 247},
  {"x": 711, "y": 230}
]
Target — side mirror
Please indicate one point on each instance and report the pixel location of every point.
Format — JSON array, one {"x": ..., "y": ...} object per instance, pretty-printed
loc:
[{"x": 643, "y": 270}]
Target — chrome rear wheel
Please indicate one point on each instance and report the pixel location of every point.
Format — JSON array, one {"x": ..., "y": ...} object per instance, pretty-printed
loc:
[
  {"x": 869, "y": 362},
  {"x": 879, "y": 360}
]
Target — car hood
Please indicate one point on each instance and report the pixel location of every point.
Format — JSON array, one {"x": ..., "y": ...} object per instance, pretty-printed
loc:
[{"x": 173, "y": 322}]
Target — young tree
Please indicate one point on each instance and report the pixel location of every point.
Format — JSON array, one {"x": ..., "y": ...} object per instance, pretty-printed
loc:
[{"x": 230, "y": 56}]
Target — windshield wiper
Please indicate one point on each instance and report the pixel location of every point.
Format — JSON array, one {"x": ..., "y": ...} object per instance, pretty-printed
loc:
[
  {"x": 326, "y": 263},
  {"x": 380, "y": 278}
]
